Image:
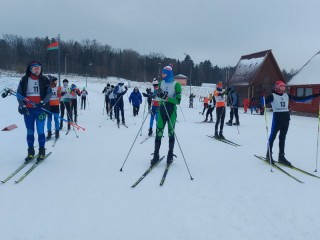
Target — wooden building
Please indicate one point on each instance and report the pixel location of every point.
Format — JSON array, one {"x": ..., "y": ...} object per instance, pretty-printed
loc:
[
  {"x": 182, "y": 79},
  {"x": 253, "y": 74},
  {"x": 306, "y": 82}
]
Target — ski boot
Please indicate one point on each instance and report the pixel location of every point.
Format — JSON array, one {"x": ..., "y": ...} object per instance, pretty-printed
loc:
[
  {"x": 216, "y": 135},
  {"x": 57, "y": 134},
  {"x": 236, "y": 124},
  {"x": 155, "y": 158},
  {"x": 206, "y": 120},
  {"x": 61, "y": 125},
  {"x": 31, "y": 154},
  {"x": 229, "y": 123},
  {"x": 170, "y": 157},
  {"x": 270, "y": 159},
  {"x": 42, "y": 154},
  {"x": 150, "y": 132},
  {"x": 283, "y": 160},
  {"x": 49, "y": 135},
  {"x": 221, "y": 136},
  {"x": 211, "y": 120}
]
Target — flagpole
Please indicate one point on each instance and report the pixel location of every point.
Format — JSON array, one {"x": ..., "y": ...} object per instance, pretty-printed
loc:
[{"x": 59, "y": 59}]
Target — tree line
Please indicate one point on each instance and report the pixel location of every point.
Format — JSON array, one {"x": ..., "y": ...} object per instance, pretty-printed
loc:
[{"x": 92, "y": 58}]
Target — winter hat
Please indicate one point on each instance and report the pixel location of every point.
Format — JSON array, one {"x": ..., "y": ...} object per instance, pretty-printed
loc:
[
  {"x": 65, "y": 80},
  {"x": 155, "y": 82},
  {"x": 279, "y": 83},
  {"x": 108, "y": 84},
  {"x": 121, "y": 81},
  {"x": 219, "y": 84},
  {"x": 34, "y": 64},
  {"x": 73, "y": 86},
  {"x": 53, "y": 79},
  {"x": 168, "y": 71}
]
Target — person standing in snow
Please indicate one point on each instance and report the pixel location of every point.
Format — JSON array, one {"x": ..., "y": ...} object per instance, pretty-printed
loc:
[
  {"x": 119, "y": 91},
  {"x": 211, "y": 106},
  {"x": 65, "y": 103},
  {"x": 169, "y": 96},
  {"x": 155, "y": 106},
  {"x": 84, "y": 94},
  {"x": 74, "y": 102},
  {"x": 106, "y": 92},
  {"x": 136, "y": 99},
  {"x": 191, "y": 97},
  {"x": 279, "y": 100},
  {"x": 219, "y": 95},
  {"x": 148, "y": 95},
  {"x": 54, "y": 108},
  {"x": 112, "y": 101},
  {"x": 36, "y": 88},
  {"x": 233, "y": 101}
]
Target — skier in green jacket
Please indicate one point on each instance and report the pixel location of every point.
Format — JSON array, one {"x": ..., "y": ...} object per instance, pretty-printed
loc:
[{"x": 169, "y": 95}]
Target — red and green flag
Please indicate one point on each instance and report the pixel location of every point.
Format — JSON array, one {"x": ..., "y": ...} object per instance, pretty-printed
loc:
[{"x": 53, "y": 46}]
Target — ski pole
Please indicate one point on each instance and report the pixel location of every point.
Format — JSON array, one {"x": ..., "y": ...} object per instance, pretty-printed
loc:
[
  {"x": 133, "y": 143},
  {"x": 182, "y": 113},
  {"x": 88, "y": 102},
  {"x": 14, "y": 93},
  {"x": 318, "y": 140},
  {"x": 144, "y": 110},
  {"x": 267, "y": 130},
  {"x": 104, "y": 105},
  {"x": 70, "y": 117},
  {"x": 175, "y": 135}
]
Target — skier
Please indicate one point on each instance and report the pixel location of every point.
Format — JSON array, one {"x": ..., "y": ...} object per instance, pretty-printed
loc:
[
  {"x": 119, "y": 91},
  {"x": 220, "y": 109},
  {"x": 54, "y": 108},
  {"x": 233, "y": 101},
  {"x": 106, "y": 92},
  {"x": 35, "y": 87},
  {"x": 65, "y": 102},
  {"x": 136, "y": 99},
  {"x": 169, "y": 95},
  {"x": 191, "y": 97},
  {"x": 84, "y": 94},
  {"x": 279, "y": 100},
  {"x": 112, "y": 101},
  {"x": 74, "y": 102},
  {"x": 149, "y": 95},
  {"x": 211, "y": 106},
  {"x": 155, "y": 106},
  {"x": 205, "y": 104}
]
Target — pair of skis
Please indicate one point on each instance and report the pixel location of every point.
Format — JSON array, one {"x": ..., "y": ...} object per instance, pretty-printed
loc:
[
  {"x": 36, "y": 164},
  {"x": 276, "y": 165},
  {"x": 150, "y": 169},
  {"x": 224, "y": 140}
]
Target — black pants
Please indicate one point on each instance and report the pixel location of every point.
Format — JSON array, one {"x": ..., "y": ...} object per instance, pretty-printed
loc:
[
  {"x": 234, "y": 111},
  {"x": 74, "y": 109},
  {"x": 63, "y": 106},
  {"x": 277, "y": 126},
  {"x": 83, "y": 102},
  {"x": 209, "y": 112},
  {"x": 221, "y": 113},
  {"x": 135, "y": 110},
  {"x": 107, "y": 100},
  {"x": 119, "y": 108}
]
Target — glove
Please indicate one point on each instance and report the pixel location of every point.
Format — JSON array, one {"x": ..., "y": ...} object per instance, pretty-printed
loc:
[
  {"x": 162, "y": 95},
  {"x": 40, "y": 104},
  {"x": 23, "y": 109}
]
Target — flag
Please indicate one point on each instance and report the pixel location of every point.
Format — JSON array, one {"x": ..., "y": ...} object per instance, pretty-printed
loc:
[{"x": 53, "y": 46}]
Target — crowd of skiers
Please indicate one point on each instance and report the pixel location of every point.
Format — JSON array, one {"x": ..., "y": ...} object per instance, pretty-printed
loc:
[{"x": 41, "y": 97}]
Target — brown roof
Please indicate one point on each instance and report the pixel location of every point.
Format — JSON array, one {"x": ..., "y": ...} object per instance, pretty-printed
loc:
[{"x": 249, "y": 66}]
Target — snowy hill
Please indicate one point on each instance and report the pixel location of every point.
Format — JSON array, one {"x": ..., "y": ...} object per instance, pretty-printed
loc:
[{"x": 78, "y": 193}]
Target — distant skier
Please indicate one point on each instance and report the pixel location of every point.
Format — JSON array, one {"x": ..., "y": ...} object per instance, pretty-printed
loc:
[
  {"x": 106, "y": 92},
  {"x": 148, "y": 95},
  {"x": 35, "y": 87},
  {"x": 233, "y": 100},
  {"x": 169, "y": 95},
  {"x": 279, "y": 100},
  {"x": 112, "y": 101},
  {"x": 191, "y": 97},
  {"x": 136, "y": 99},
  {"x": 65, "y": 103},
  {"x": 54, "y": 108},
  {"x": 155, "y": 106},
  {"x": 84, "y": 94},
  {"x": 119, "y": 91},
  {"x": 211, "y": 106},
  {"x": 74, "y": 102},
  {"x": 219, "y": 94}
]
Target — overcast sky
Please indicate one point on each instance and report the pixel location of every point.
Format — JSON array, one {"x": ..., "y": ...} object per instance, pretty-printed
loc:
[{"x": 219, "y": 31}]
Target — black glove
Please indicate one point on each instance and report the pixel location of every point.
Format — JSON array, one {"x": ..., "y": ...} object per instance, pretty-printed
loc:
[
  {"x": 40, "y": 104},
  {"x": 23, "y": 109},
  {"x": 162, "y": 95}
]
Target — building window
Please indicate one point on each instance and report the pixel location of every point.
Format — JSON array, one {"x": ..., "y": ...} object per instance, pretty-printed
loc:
[{"x": 301, "y": 92}]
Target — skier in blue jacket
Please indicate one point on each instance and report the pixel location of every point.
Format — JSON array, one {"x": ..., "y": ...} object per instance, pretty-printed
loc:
[{"x": 136, "y": 99}]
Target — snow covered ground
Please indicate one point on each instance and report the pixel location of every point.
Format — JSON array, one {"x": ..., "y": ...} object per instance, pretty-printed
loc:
[{"x": 78, "y": 193}]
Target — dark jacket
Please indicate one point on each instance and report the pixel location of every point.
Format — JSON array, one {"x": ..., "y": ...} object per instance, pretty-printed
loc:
[
  {"x": 44, "y": 87},
  {"x": 135, "y": 98}
]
